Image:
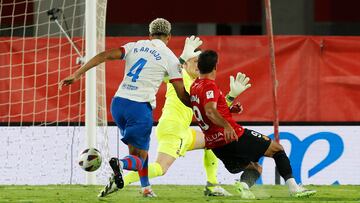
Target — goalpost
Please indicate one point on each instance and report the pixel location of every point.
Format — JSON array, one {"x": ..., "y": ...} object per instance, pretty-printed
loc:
[
  {"x": 95, "y": 32},
  {"x": 270, "y": 35},
  {"x": 42, "y": 128}
]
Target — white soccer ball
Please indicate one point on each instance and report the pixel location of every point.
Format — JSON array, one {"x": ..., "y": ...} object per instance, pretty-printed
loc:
[{"x": 90, "y": 159}]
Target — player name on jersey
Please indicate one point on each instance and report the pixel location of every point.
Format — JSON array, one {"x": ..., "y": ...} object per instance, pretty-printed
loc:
[
  {"x": 147, "y": 62},
  {"x": 153, "y": 52}
]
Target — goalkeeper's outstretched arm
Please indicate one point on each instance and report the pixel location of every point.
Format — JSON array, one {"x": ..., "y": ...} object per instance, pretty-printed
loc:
[
  {"x": 237, "y": 86},
  {"x": 107, "y": 55}
]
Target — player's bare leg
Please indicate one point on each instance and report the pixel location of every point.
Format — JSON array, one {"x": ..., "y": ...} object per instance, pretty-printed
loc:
[
  {"x": 276, "y": 151},
  {"x": 199, "y": 141},
  {"x": 165, "y": 161}
]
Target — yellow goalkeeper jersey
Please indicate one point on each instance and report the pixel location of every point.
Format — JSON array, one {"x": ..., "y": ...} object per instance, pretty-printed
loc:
[{"x": 174, "y": 109}]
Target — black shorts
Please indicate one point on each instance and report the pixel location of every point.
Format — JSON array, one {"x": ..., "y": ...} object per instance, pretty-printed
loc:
[{"x": 250, "y": 147}]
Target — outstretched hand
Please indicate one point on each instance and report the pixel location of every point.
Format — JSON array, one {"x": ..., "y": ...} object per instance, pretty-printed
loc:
[
  {"x": 238, "y": 85},
  {"x": 67, "y": 81},
  {"x": 191, "y": 43}
]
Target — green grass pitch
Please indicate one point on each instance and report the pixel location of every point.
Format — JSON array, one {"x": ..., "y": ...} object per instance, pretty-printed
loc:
[{"x": 171, "y": 194}]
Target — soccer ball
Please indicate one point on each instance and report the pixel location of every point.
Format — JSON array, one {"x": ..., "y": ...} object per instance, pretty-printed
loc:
[{"x": 90, "y": 159}]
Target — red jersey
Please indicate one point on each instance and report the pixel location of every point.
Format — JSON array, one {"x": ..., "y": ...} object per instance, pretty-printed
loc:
[{"x": 203, "y": 91}]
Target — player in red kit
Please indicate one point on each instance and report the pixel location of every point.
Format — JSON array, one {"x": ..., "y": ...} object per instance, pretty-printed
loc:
[{"x": 238, "y": 148}]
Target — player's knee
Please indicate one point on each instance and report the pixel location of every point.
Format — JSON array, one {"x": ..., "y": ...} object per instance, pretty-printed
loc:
[
  {"x": 273, "y": 148},
  {"x": 279, "y": 148},
  {"x": 276, "y": 147}
]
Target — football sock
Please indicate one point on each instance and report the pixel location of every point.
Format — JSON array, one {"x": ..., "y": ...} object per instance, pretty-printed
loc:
[
  {"x": 131, "y": 177},
  {"x": 143, "y": 173},
  {"x": 249, "y": 176},
  {"x": 291, "y": 183},
  {"x": 283, "y": 164},
  {"x": 284, "y": 168},
  {"x": 132, "y": 163},
  {"x": 154, "y": 170},
  {"x": 211, "y": 166}
]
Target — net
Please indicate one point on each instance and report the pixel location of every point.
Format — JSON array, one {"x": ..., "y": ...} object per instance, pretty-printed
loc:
[{"x": 42, "y": 129}]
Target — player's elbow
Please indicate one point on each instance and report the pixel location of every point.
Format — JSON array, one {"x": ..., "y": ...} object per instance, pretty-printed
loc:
[
  {"x": 100, "y": 58},
  {"x": 111, "y": 54}
]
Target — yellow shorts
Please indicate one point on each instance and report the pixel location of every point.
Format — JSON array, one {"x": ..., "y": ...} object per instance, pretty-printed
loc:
[{"x": 174, "y": 139}]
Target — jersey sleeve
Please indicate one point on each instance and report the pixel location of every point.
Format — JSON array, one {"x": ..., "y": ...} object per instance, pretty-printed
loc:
[
  {"x": 126, "y": 48},
  {"x": 210, "y": 93},
  {"x": 174, "y": 69}
]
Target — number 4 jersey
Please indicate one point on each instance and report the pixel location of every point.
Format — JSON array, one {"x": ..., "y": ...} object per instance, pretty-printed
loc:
[
  {"x": 147, "y": 63},
  {"x": 203, "y": 91}
]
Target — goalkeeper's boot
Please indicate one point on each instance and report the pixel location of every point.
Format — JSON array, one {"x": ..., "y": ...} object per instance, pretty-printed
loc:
[
  {"x": 215, "y": 190},
  {"x": 109, "y": 188},
  {"x": 148, "y": 192},
  {"x": 118, "y": 172},
  {"x": 244, "y": 190},
  {"x": 302, "y": 192}
]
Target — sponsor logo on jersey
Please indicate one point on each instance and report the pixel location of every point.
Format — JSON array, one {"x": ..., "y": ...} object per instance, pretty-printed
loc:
[
  {"x": 129, "y": 87},
  {"x": 217, "y": 136},
  {"x": 210, "y": 94}
]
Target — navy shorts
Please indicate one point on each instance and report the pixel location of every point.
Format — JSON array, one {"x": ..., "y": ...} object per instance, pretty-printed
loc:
[{"x": 135, "y": 121}]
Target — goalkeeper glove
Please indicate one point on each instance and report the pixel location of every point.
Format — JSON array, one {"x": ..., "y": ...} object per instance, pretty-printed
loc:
[
  {"x": 238, "y": 85},
  {"x": 191, "y": 43}
]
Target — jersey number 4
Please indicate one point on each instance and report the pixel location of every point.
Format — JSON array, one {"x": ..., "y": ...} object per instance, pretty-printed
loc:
[{"x": 136, "y": 69}]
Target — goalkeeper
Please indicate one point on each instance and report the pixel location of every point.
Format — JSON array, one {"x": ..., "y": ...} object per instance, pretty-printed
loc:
[{"x": 175, "y": 137}]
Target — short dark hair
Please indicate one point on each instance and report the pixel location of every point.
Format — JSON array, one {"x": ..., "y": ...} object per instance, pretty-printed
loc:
[{"x": 207, "y": 61}]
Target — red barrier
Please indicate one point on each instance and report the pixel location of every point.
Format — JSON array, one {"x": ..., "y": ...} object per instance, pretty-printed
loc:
[{"x": 319, "y": 78}]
